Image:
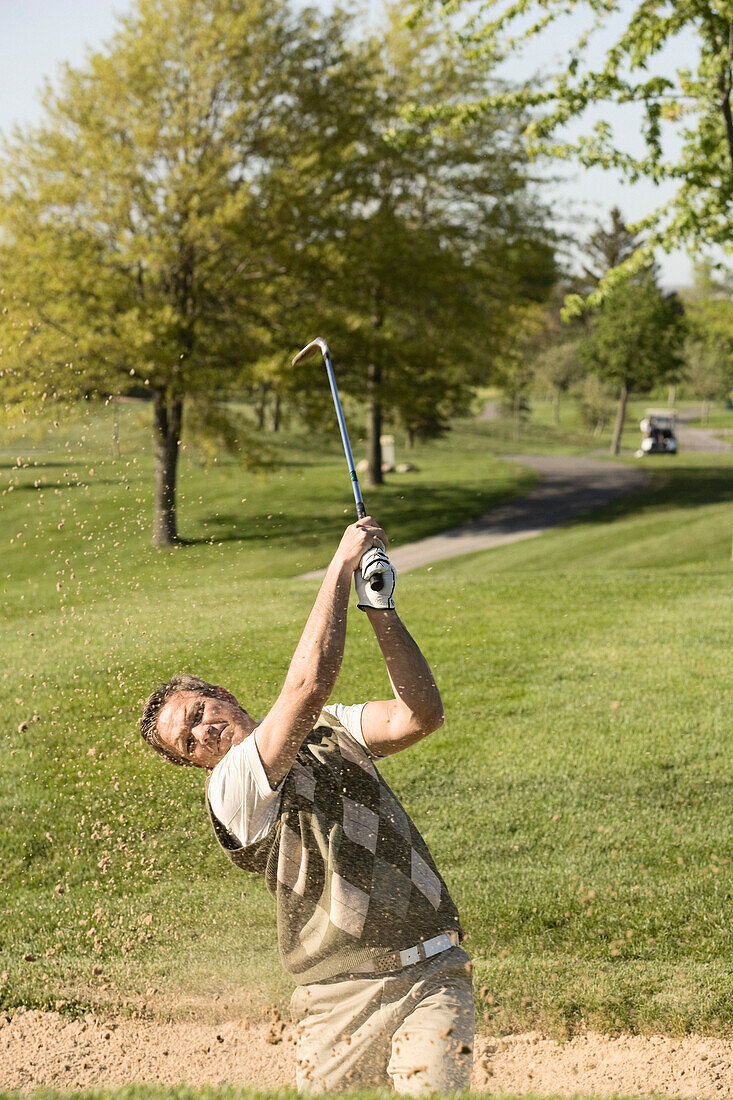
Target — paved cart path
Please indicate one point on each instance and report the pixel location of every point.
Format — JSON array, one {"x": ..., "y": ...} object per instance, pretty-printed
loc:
[
  {"x": 570, "y": 486},
  {"x": 699, "y": 439}
]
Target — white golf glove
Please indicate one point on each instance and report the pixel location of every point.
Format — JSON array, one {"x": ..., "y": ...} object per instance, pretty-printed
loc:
[{"x": 375, "y": 580}]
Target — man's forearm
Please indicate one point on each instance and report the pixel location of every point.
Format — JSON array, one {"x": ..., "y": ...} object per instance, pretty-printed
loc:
[
  {"x": 315, "y": 664},
  {"x": 412, "y": 680},
  {"x": 311, "y": 676},
  {"x": 317, "y": 657},
  {"x": 318, "y": 654}
]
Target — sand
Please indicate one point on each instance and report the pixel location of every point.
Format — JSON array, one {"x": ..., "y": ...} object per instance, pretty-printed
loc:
[{"x": 45, "y": 1048}]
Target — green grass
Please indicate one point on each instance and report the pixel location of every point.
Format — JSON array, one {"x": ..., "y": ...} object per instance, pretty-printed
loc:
[
  {"x": 94, "y": 617},
  {"x": 680, "y": 521},
  {"x": 541, "y": 435},
  {"x": 537, "y": 433},
  {"x": 75, "y": 501},
  {"x": 577, "y": 798},
  {"x": 719, "y": 418}
]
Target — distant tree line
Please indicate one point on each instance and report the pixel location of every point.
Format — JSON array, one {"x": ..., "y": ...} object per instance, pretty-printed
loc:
[
  {"x": 676, "y": 126},
  {"x": 636, "y": 339}
]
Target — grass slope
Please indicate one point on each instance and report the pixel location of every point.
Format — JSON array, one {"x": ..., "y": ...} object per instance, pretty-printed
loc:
[
  {"x": 577, "y": 799},
  {"x": 113, "y": 889}
]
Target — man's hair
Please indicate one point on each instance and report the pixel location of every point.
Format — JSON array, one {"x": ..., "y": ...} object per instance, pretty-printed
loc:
[{"x": 182, "y": 681}]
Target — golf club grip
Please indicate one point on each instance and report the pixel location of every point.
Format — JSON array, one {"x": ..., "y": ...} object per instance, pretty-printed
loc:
[{"x": 360, "y": 509}]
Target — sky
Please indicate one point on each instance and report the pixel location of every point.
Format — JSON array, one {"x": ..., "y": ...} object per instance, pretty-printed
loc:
[{"x": 36, "y": 36}]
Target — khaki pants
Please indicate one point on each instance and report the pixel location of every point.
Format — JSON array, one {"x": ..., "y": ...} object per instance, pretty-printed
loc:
[{"x": 415, "y": 1028}]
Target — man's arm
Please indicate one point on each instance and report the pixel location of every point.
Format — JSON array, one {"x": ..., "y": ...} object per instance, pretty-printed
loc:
[
  {"x": 316, "y": 661},
  {"x": 416, "y": 710}
]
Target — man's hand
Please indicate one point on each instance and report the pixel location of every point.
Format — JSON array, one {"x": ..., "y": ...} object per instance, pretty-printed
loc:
[
  {"x": 375, "y": 581},
  {"x": 357, "y": 539}
]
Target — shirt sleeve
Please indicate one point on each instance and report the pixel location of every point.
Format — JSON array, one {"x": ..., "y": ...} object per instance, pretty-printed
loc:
[
  {"x": 350, "y": 719},
  {"x": 240, "y": 795}
]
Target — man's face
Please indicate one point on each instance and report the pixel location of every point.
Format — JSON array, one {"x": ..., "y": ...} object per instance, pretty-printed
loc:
[{"x": 202, "y": 729}]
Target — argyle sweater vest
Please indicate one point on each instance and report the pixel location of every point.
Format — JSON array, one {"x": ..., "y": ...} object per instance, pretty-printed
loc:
[{"x": 351, "y": 874}]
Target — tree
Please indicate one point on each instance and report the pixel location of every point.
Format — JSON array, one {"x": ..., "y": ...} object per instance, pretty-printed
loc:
[
  {"x": 553, "y": 348},
  {"x": 634, "y": 341},
  {"x": 709, "y": 345},
  {"x": 560, "y": 367},
  {"x": 707, "y": 371},
  {"x": 155, "y": 225},
  {"x": 608, "y": 247},
  {"x": 691, "y": 106},
  {"x": 441, "y": 235},
  {"x": 514, "y": 371},
  {"x": 596, "y": 403}
]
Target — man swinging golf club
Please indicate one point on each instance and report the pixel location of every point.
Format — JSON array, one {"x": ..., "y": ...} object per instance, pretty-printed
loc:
[{"x": 366, "y": 925}]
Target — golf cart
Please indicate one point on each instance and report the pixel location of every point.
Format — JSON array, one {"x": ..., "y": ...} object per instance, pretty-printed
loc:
[{"x": 658, "y": 428}]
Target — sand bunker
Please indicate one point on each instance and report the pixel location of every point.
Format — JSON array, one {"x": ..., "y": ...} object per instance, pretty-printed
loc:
[{"x": 44, "y": 1048}]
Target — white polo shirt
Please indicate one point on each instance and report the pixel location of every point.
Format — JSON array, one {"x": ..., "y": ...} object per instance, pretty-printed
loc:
[{"x": 239, "y": 793}]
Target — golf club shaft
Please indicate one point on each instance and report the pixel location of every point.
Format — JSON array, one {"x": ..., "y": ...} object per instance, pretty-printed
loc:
[
  {"x": 306, "y": 353},
  {"x": 360, "y": 508}
]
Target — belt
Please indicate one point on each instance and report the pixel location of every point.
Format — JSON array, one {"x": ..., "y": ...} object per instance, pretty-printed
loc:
[{"x": 397, "y": 960}]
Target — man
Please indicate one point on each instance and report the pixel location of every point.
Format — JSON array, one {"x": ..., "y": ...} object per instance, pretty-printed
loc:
[{"x": 366, "y": 925}]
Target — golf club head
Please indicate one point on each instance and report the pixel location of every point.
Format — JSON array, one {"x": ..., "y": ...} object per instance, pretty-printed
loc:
[{"x": 319, "y": 344}]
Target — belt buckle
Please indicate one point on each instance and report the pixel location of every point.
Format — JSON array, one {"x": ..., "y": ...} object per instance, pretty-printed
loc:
[{"x": 386, "y": 964}]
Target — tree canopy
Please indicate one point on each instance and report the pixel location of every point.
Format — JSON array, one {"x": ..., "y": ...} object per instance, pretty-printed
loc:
[
  {"x": 686, "y": 122},
  {"x": 709, "y": 344},
  {"x": 446, "y": 233},
  {"x": 608, "y": 247},
  {"x": 227, "y": 178},
  {"x": 155, "y": 223}
]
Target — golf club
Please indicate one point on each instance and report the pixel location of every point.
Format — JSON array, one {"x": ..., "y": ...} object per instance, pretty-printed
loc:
[{"x": 319, "y": 344}]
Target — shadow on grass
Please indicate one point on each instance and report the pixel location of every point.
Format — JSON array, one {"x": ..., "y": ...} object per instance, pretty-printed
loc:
[
  {"x": 686, "y": 487},
  {"x": 44, "y": 486},
  {"x": 408, "y": 512},
  {"x": 411, "y": 512},
  {"x": 50, "y": 464}
]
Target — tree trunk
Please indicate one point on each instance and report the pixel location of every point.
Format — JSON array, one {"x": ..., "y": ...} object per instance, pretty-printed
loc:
[
  {"x": 705, "y": 411},
  {"x": 168, "y": 417},
  {"x": 276, "y": 412},
  {"x": 374, "y": 429},
  {"x": 620, "y": 417},
  {"x": 262, "y": 404},
  {"x": 374, "y": 415},
  {"x": 115, "y": 428},
  {"x": 556, "y": 404},
  {"x": 671, "y": 394}
]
